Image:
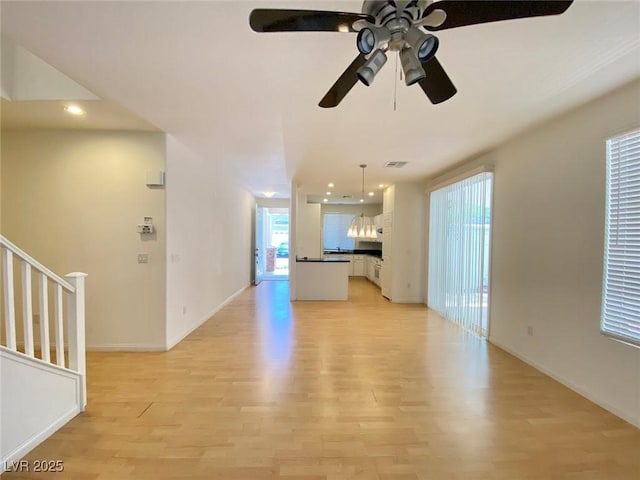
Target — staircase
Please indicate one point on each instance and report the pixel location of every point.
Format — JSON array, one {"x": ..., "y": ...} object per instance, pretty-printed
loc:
[{"x": 41, "y": 388}]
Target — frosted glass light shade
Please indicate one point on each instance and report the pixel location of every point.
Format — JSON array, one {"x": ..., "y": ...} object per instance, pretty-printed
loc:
[{"x": 363, "y": 228}]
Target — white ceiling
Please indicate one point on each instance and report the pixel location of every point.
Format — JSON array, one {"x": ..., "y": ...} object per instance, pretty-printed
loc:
[
  {"x": 197, "y": 71},
  {"x": 99, "y": 115}
]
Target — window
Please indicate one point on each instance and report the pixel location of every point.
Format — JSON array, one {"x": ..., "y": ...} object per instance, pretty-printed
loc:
[
  {"x": 621, "y": 285},
  {"x": 335, "y": 227},
  {"x": 459, "y": 240}
]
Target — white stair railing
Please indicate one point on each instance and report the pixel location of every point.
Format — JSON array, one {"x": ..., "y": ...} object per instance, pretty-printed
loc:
[{"x": 72, "y": 287}]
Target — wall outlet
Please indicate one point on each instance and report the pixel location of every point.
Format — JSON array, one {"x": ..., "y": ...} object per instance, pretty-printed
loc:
[
  {"x": 530, "y": 331},
  {"x": 184, "y": 310},
  {"x": 143, "y": 258}
]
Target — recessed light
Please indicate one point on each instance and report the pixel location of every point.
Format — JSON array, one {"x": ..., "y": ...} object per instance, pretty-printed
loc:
[
  {"x": 325, "y": 200},
  {"x": 74, "y": 110},
  {"x": 381, "y": 185},
  {"x": 269, "y": 194},
  {"x": 328, "y": 193},
  {"x": 371, "y": 194},
  {"x": 362, "y": 200},
  {"x": 331, "y": 185}
]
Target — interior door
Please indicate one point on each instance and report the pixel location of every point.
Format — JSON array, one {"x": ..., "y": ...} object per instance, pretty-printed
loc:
[{"x": 258, "y": 245}]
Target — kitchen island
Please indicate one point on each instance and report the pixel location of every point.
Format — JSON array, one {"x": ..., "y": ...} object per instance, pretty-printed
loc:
[{"x": 322, "y": 278}]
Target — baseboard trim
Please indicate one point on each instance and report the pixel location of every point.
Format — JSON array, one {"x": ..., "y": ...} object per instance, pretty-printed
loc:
[
  {"x": 567, "y": 383},
  {"x": 37, "y": 439},
  {"x": 125, "y": 347},
  {"x": 231, "y": 298}
]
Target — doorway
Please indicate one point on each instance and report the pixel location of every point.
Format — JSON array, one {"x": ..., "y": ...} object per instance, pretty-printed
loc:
[{"x": 271, "y": 246}]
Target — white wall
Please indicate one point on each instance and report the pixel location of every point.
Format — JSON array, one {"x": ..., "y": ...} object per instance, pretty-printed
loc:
[
  {"x": 208, "y": 239},
  {"x": 293, "y": 240},
  {"x": 369, "y": 209},
  {"x": 408, "y": 262},
  {"x": 274, "y": 202},
  {"x": 72, "y": 200},
  {"x": 548, "y": 238},
  {"x": 308, "y": 228}
]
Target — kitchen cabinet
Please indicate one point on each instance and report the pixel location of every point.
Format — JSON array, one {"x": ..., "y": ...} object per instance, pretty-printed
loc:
[
  {"x": 345, "y": 256},
  {"x": 388, "y": 199},
  {"x": 387, "y": 241},
  {"x": 377, "y": 272},
  {"x": 358, "y": 266},
  {"x": 322, "y": 279},
  {"x": 350, "y": 258},
  {"x": 361, "y": 265},
  {"x": 371, "y": 268}
]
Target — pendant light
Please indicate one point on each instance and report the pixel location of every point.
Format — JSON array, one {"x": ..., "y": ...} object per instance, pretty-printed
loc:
[{"x": 362, "y": 227}]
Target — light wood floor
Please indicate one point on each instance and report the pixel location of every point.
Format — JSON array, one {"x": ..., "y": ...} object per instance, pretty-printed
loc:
[{"x": 363, "y": 389}]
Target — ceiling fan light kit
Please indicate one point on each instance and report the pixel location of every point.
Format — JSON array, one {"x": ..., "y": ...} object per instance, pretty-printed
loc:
[
  {"x": 413, "y": 71},
  {"x": 370, "y": 69},
  {"x": 372, "y": 38},
  {"x": 424, "y": 44},
  {"x": 397, "y": 26}
]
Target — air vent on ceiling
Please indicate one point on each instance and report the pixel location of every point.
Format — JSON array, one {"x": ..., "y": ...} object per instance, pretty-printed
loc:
[
  {"x": 347, "y": 196},
  {"x": 395, "y": 164}
]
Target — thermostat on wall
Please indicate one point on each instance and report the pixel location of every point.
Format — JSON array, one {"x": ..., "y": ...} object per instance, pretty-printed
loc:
[
  {"x": 144, "y": 228},
  {"x": 155, "y": 178},
  {"x": 147, "y": 226}
]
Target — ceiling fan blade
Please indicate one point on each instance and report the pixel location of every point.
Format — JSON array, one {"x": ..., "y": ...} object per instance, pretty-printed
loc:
[
  {"x": 344, "y": 84},
  {"x": 469, "y": 12},
  {"x": 437, "y": 84},
  {"x": 279, "y": 20}
]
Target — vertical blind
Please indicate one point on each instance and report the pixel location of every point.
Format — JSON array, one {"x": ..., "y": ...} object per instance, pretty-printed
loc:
[
  {"x": 334, "y": 231},
  {"x": 459, "y": 246},
  {"x": 621, "y": 285}
]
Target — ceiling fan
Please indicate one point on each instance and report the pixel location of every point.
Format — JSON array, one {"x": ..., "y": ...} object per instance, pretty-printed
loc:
[{"x": 398, "y": 26}]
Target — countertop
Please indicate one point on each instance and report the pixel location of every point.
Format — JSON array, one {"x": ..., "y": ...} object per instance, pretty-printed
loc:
[
  {"x": 373, "y": 253},
  {"x": 323, "y": 260}
]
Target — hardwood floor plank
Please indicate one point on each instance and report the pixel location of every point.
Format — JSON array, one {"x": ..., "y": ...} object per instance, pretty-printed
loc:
[{"x": 363, "y": 389}]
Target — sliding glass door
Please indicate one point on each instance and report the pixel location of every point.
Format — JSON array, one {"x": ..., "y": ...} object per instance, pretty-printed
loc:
[{"x": 459, "y": 249}]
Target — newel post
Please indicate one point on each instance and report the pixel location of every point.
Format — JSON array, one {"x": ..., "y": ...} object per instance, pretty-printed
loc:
[{"x": 75, "y": 309}]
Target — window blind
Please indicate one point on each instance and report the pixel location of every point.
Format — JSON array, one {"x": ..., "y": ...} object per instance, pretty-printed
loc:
[
  {"x": 621, "y": 286},
  {"x": 459, "y": 241},
  {"x": 334, "y": 228}
]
